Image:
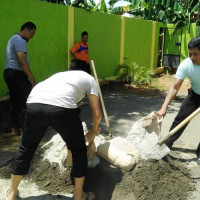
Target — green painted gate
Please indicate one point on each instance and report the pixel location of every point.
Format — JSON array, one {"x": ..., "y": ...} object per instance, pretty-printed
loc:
[{"x": 172, "y": 48}]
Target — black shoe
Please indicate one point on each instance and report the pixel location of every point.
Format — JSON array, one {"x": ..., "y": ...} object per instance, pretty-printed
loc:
[{"x": 169, "y": 144}]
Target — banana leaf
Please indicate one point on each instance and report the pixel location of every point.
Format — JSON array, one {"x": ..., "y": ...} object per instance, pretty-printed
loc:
[{"x": 180, "y": 24}]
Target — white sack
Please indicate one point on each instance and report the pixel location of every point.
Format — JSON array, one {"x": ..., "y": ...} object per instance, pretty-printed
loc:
[
  {"x": 145, "y": 134},
  {"x": 119, "y": 152}
]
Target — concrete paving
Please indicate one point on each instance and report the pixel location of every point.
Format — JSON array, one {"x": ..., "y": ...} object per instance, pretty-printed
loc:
[{"x": 124, "y": 110}]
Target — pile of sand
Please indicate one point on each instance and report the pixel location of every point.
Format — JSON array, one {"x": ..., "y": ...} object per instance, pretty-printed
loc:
[
  {"x": 156, "y": 180},
  {"x": 150, "y": 180},
  {"x": 48, "y": 176},
  {"x": 47, "y": 169}
]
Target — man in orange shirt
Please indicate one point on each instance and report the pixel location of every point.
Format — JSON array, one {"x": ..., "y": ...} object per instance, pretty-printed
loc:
[{"x": 80, "y": 55}]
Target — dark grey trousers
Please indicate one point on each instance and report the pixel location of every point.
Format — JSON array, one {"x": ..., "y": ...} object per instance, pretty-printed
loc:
[
  {"x": 19, "y": 88},
  {"x": 189, "y": 105}
]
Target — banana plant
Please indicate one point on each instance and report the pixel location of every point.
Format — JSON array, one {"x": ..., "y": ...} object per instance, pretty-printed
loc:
[
  {"x": 191, "y": 9},
  {"x": 179, "y": 12},
  {"x": 166, "y": 11}
]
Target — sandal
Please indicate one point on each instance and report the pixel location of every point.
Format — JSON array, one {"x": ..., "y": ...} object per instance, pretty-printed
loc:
[
  {"x": 91, "y": 196},
  {"x": 6, "y": 193}
]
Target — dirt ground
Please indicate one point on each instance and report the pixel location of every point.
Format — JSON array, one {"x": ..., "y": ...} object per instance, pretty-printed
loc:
[
  {"x": 166, "y": 179},
  {"x": 150, "y": 180}
]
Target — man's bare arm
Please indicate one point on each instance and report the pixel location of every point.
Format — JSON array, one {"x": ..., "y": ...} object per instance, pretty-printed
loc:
[
  {"x": 22, "y": 60},
  {"x": 96, "y": 112},
  {"x": 170, "y": 96},
  {"x": 73, "y": 55}
]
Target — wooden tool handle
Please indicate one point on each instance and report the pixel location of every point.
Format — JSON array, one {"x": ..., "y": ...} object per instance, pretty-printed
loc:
[
  {"x": 184, "y": 122},
  {"x": 101, "y": 99}
]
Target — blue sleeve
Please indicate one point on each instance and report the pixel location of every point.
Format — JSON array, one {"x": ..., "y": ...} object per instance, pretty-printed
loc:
[{"x": 20, "y": 45}]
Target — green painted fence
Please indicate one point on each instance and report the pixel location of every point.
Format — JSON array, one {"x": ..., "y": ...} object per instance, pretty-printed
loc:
[
  {"x": 104, "y": 39},
  {"x": 47, "y": 51},
  {"x": 138, "y": 40},
  {"x": 111, "y": 37}
]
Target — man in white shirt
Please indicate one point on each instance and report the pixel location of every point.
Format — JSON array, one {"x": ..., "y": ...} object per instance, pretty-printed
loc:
[
  {"x": 190, "y": 67},
  {"x": 53, "y": 102}
]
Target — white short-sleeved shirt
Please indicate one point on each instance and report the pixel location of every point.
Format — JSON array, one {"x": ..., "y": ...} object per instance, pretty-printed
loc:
[
  {"x": 188, "y": 69},
  {"x": 64, "y": 89}
]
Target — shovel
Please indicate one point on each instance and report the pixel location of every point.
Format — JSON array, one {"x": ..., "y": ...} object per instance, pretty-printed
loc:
[
  {"x": 101, "y": 99},
  {"x": 156, "y": 149},
  {"x": 178, "y": 127}
]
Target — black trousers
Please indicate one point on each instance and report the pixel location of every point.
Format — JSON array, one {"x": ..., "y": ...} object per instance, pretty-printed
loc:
[
  {"x": 80, "y": 65},
  {"x": 66, "y": 122},
  {"x": 189, "y": 105},
  {"x": 19, "y": 88}
]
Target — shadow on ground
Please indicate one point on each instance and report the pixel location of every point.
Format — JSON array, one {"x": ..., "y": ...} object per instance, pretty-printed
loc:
[
  {"x": 102, "y": 180},
  {"x": 125, "y": 105},
  {"x": 46, "y": 197}
]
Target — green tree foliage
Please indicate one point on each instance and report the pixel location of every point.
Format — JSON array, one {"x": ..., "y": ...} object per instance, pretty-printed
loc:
[
  {"x": 55, "y": 1},
  {"x": 89, "y": 5},
  {"x": 179, "y": 12}
]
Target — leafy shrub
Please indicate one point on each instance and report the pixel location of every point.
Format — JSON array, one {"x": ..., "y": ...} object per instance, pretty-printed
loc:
[{"x": 133, "y": 73}]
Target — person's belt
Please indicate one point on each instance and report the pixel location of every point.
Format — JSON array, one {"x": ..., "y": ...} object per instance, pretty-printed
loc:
[{"x": 13, "y": 70}]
